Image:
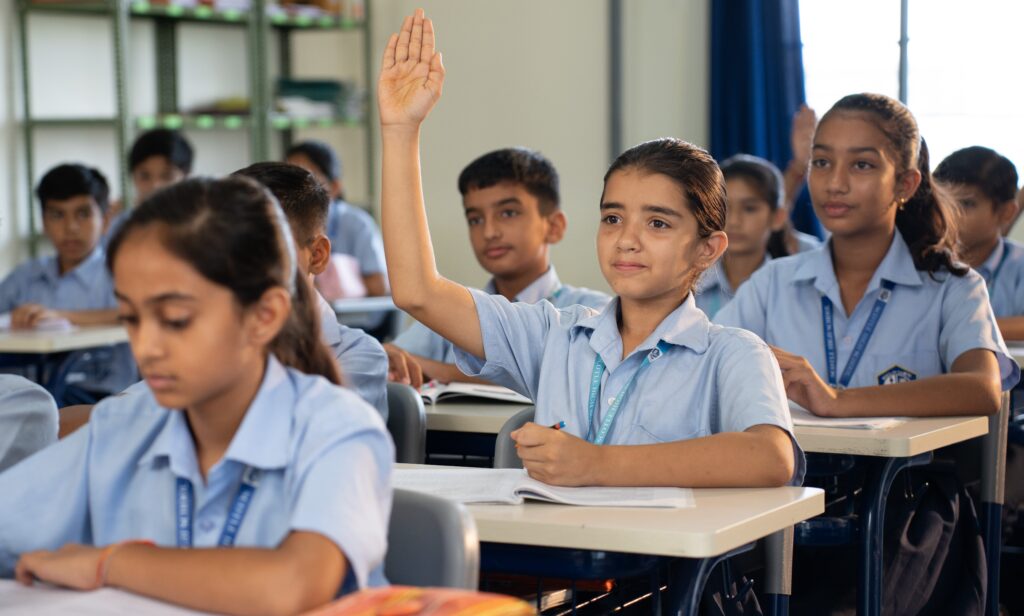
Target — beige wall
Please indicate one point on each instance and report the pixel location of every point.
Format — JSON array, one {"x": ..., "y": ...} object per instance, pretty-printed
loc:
[{"x": 530, "y": 72}]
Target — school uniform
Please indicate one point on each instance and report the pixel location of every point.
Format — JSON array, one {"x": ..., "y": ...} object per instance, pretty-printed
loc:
[
  {"x": 353, "y": 232},
  {"x": 692, "y": 378},
  {"x": 363, "y": 362},
  {"x": 1003, "y": 272},
  {"x": 28, "y": 419},
  {"x": 714, "y": 290},
  {"x": 323, "y": 459},
  {"x": 88, "y": 286},
  {"x": 928, "y": 321},
  {"x": 806, "y": 241},
  {"x": 419, "y": 340}
]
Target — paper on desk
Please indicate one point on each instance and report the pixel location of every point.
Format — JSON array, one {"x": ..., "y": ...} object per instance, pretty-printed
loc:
[
  {"x": 803, "y": 417},
  {"x": 47, "y": 325},
  {"x": 512, "y": 486},
  {"x": 44, "y": 600}
]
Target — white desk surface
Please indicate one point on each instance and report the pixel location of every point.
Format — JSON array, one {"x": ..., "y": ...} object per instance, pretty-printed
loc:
[
  {"x": 36, "y": 341},
  {"x": 44, "y": 600},
  {"x": 1016, "y": 352},
  {"x": 483, "y": 417},
  {"x": 915, "y": 436},
  {"x": 363, "y": 304},
  {"x": 724, "y": 519}
]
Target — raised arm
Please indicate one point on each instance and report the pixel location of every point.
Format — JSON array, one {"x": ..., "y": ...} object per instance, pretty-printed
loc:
[{"x": 410, "y": 84}]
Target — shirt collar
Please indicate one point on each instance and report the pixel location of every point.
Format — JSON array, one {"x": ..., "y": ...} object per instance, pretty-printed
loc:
[
  {"x": 897, "y": 266},
  {"x": 261, "y": 441},
  {"x": 544, "y": 287},
  {"x": 686, "y": 326},
  {"x": 84, "y": 272},
  {"x": 715, "y": 276},
  {"x": 991, "y": 264}
]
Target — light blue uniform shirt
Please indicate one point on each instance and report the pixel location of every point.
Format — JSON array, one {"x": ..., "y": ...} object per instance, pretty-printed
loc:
[
  {"x": 28, "y": 419},
  {"x": 711, "y": 379},
  {"x": 713, "y": 289},
  {"x": 806, "y": 241},
  {"x": 363, "y": 362},
  {"x": 418, "y": 339},
  {"x": 1003, "y": 272},
  {"x": 325, "y": 457},
  {"x": 927, "y": 324},
  {"x": 87, "y": 287},
  {"x": 353, "y": 232}
]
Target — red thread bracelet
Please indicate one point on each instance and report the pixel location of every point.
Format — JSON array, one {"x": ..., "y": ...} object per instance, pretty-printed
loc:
[{"x": 102, "y": 564}]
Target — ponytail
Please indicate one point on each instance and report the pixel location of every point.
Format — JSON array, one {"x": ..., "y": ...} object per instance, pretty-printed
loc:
[
  {"x": 926, "y": 221},
  {"x": 299, "y": 344}
]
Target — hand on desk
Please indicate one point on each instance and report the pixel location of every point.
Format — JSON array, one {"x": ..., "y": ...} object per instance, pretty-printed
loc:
[
  {"x": 28, "y": 316},
  {"x": 804, "y": 386},
  {"x": 555, "y": 456},
  {"x": 75, "y": 566},
  {"x": 402, "y": 367}
]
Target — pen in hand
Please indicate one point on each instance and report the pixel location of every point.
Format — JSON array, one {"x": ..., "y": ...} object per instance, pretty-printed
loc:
[{"x": 558, "y": 426}]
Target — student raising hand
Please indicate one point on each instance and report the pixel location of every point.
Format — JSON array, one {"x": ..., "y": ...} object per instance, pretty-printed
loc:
[{"x": 411, "y": 75}]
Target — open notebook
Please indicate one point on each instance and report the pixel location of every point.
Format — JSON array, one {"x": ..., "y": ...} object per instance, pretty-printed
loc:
[
  {"x": 45, "y": 600},
  {"x": 434, "y": 392},
  {"x": 803, "y": 417},
  {"x": 48, "y": 325},
  {"x": 512, "y": 486}
]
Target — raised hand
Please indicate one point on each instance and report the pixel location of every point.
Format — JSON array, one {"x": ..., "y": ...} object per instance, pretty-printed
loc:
[
  {"x": 802, "y": 134},
  {"x": 411, "y": 74}
]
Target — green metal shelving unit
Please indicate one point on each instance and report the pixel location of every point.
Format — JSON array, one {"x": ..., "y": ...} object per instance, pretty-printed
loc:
[{"x": 259, "y": 121}]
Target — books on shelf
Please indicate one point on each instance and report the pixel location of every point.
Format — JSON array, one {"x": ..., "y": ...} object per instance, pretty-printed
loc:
[
  {"x": 434, "y": 392},
  {"x": 513, "y": 486}
]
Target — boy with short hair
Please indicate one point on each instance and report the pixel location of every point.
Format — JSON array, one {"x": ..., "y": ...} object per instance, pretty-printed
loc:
[
  {"x": 350, "y": 229},
  {"x": 73, "y": 284},
  {"x": 984, "y": 184},
  {"x": 158, "y": 158},
  {"x": 364, "y": 364},
  {"x": 511, "y": 203}
]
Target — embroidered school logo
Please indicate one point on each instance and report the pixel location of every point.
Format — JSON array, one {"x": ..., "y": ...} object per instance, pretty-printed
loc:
[{"x": 896, "y": 374}]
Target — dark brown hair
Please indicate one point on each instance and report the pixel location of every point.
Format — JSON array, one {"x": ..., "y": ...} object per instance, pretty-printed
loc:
[
  {"x": 766, "y": 180},
  {"x": 304, "y": 201},
  {"x": 927, "y": 221},
  {"x": 235, "y": 235}
]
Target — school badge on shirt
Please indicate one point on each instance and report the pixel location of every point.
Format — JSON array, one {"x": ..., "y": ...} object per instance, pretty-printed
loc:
[{"x": 896, "y": 374}]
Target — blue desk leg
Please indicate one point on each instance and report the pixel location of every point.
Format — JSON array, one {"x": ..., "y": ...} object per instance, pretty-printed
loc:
[
  {"x": 778, "y": 583},
  {"x": 687, "y": 578},
  {"x": 993, "y": 487},
  {"x": 872, "y": 526}
]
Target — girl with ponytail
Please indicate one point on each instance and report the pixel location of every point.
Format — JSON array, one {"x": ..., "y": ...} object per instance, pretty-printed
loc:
[
  {"x": 883, "y": 319},
  {"x": 241, "y": 442}
]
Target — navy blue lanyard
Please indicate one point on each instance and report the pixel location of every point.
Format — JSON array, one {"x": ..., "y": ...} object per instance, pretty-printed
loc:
[
  {"x": 862, "y": 342},
  {"x": 236, "y": 513},
  {"x": 613, "y": 409}
]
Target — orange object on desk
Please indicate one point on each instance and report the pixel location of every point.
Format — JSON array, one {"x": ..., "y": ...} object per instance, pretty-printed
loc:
[{"x": 415, "y": 601}]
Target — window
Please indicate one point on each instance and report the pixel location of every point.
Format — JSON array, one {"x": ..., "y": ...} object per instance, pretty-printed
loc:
[{"x": 963, "y": 66}]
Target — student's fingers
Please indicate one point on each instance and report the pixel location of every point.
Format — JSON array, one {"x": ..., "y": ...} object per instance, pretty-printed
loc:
[
  {"x": 531, "y": 435},
  {"x": 435, "y": 78},
  {"x": 416, "y": 36},
  {"x": 402, "y": 51},
  {"x": 414, "y": 369},
  {"x": 398, "y": 369},
  {"x": 427, "y": 51},
  {"x": 389, "y": 52},
  {"x": 23, "y": 570}
]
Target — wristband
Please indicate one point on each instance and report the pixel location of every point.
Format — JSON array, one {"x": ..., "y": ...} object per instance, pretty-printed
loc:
[{"x": 103, "y": 564}]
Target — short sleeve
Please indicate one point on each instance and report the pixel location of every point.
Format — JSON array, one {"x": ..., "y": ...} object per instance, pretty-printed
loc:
[
  {"x": 366, "y": 243},
  {"x": 968, "y": 323},
  {"x": 514, "y": 335},
  {"x": 749, "y": 307},
  {"x": 343, "y": 490},
  {"x": 364, "y": 366},
  {"x": 11, "y": 290},
  {"x": 28, "y": 419},
  {"x": 751, "y": 391},
  {"x": 45, "y": 500}
]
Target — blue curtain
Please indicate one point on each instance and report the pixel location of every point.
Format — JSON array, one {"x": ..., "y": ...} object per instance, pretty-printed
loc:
[{"x": 757, "y": 84}]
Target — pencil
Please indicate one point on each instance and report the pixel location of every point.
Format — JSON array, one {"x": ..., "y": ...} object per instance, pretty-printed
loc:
[{"x": 558, "y": 426}]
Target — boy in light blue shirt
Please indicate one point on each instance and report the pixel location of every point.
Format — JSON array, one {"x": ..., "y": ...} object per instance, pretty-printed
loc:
[
  {"x": 984, "y": 185},
  {"x": 351, "y": 230},
  {"x": 511, "y": 202},
  {"x": 73, "y": 284},
  {"x": 28, "y": 419}
]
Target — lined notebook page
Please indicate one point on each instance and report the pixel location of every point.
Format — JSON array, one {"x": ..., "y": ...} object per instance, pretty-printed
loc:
[{"x": 803, "y": 417}]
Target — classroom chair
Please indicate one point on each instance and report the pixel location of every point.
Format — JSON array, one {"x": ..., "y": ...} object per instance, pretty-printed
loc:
[
  {"x": 407, "y": 423},
  {"x": 505, "y": 455},
  {"x": 431, "y": 542}
]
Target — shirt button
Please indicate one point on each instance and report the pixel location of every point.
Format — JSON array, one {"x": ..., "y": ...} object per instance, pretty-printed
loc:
[
  {"x": 611, "y": 400},
  {"x": 206, "y": 525}
]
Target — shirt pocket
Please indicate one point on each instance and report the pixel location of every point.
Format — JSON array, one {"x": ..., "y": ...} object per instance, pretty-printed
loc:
[{"x": 666, "y": 429}]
